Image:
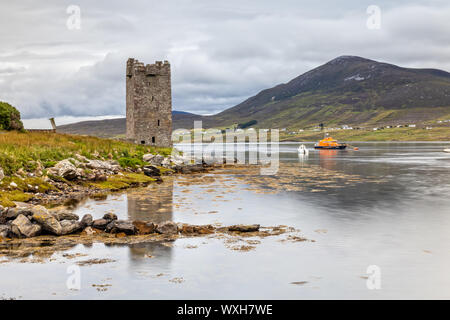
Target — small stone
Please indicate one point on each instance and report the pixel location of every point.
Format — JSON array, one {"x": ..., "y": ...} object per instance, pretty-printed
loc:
[
  {"x": 143, "y": 227},
  {"x": 101, "y": 177},
  {"x": 100, "y": 165},
  {"x": 152, "y": 171},
  {"x": 119, "y": 226},
  {"x": 110, "y": 216},
  {"x": 168, "y": 227},
  {"x": 81, "y": 158},
  {"x": 208, "y": 229},
  {"x": 153, "y": 159},
  {"x": 100, "y": 223},
  {"x": 186, "y": 229},
  {"x": 3, "y": 212},
  {"x": 244, "y": 228},
  {"x": 87, "y": 220},
  {"x": 5, "y": 231},
  {"x": 2, "y": 174},
  {"x": 65, "y": 169},
  {"x": 88, "y": 231},
  {"x": 121, "y": 235}
]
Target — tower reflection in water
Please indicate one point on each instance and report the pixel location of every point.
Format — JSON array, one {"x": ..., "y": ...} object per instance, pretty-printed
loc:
[{"x": 153, "y": 204}]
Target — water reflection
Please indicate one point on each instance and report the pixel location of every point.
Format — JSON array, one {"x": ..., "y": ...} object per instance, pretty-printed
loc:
[
  {"x": 147, "y": 253},
  {"x": 385, "y": 205},
  {"x": 328, "y": 158},
  {"x": 154, "y": 203}
]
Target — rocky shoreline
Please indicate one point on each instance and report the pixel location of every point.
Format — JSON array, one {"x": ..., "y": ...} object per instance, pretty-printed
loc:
[
  {"x": 80, "y": 177},
  {"x": 33, "y": 221},
  {"x": 69, "y": 178}
]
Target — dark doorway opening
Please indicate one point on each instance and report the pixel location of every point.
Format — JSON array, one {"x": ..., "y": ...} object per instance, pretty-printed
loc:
[
  {"x": 153, "y": 140},
  {"x": 142, "y": 142}
]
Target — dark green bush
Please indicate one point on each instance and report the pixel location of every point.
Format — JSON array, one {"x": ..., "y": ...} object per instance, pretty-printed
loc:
[
  {"x": 9, "y": 117},
  {"x": 130, "y": 162}
]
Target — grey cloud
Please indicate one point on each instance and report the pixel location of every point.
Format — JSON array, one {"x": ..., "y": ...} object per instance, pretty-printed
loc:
[{"x": 220, "y": 52}]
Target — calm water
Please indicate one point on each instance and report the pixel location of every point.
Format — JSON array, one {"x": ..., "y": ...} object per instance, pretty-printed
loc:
[{"x": 386, "y": 205}]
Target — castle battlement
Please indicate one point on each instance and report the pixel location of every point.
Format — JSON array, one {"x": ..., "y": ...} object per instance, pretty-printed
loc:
[{"x": 135, "y": 67}]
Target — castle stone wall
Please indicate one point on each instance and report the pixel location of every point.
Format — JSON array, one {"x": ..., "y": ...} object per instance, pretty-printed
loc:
[{"x": 149, "y": 103}]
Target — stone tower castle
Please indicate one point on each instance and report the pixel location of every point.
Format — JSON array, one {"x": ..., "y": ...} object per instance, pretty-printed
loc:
[{"x": 149, "y": 103}]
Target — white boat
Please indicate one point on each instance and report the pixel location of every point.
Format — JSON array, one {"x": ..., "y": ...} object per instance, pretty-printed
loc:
[
  {"x": 447, "y": 150},
  {"x": 302, "y": 149}
]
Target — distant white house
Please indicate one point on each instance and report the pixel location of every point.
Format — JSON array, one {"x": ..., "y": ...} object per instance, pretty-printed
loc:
[{"x": 412, "y": 125}]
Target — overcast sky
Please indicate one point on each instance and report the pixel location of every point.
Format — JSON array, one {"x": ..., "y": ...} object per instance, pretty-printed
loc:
[{"x": 221, "y": 52}]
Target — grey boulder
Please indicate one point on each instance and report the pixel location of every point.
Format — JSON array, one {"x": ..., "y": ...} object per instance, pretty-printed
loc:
[
  {"x": 23, "y": 228},
  {"x": 118, "y": 226},
  {"x": 110, "y": 216},
  {"x": 5, "y": 231},
  {"x": 65, "y": 215},
  {"x": 87, "y": 220},
  {"x": 152, "y": 171},
  {"x": 153, "y": 159},
  {"x": 13, "y": 213},
  {"x": 100, "y": 224},
  {"x": 47, "y": 221},
  {"x": 70, "y": 226},
  {"x": 168, "y": 227},
  {"x": 65, "y": 169}
]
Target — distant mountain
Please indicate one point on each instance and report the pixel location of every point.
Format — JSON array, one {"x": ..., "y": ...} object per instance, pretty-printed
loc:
[
  {"x": 346, "y": 90},
  {"x": 117, "y": 127},
  {"x": 109, "y": 128}
]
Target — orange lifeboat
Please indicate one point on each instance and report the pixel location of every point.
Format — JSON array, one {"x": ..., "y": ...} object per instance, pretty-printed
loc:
[{"x": 329, "y": 143}]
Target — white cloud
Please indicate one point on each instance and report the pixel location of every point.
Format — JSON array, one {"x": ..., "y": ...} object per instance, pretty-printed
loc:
[{"x": 221, "y": 53}]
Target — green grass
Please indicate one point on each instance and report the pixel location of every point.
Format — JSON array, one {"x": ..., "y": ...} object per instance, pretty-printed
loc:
[
  {"x": 7, "y": 198},
  {"x": 23, "y": 189},
  {"x": 118, "y": 182},
  {"x": 23, "y": 150}
]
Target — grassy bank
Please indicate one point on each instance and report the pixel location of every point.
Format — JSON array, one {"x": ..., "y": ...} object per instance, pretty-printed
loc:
[
  {"x": 23, "y": 150},
  {"x": 29, "y": 152},
  {"x": 392, "y": 134}
]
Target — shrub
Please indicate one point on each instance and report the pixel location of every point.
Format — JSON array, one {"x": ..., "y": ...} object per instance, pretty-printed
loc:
[
  {"x": 247, "y": 124},
  {"x": 9, "y": 117},
  {"x": 130, "y": 162}
]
